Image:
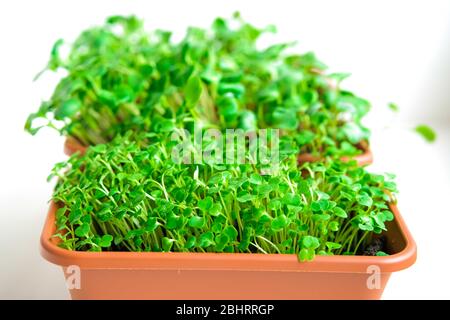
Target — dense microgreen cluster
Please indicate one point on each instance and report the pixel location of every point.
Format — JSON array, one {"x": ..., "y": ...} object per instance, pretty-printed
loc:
[
  {"x": 121, "y": 77},
  {"x": 127, "y": 91},
  {"x": 129, "y": 195}
]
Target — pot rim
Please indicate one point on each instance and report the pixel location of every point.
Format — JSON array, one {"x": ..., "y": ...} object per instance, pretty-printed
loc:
[
  {"x": 72, "y": 145},
  {"x": 363, "y": 159},
  {"x": 227, "y": 261}
]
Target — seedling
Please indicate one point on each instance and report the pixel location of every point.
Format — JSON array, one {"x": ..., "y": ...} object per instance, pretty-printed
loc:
[
  {"x": 120, "y": 78},
  {"x": 128, "y": 195},
  {"x": 426, "y": 132}
]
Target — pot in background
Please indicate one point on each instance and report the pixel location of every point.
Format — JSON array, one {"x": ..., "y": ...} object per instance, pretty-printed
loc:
[
  {"x": 363, "y": 159},
  {"x": 72, "y": 145}
]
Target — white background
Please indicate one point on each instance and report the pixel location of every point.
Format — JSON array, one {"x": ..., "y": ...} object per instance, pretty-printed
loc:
[{"x": 396, "y": 50}]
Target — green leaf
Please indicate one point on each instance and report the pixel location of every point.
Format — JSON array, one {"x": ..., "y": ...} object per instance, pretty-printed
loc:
[
  {"x": 310, "y": 242},
  {"x": 353, "y": 132},
  {"x": 196, "y": 222},
  {"x": 190, "y": 243},
  {"x": 55, "y": 60},
  {"x": 173, "y": 221},
  {"x": 247, "y": 121},
  {"x": 245, "y": 197},
  {"x": 321, "y": 217},
  {"x": 166, "y": 126},
  {"x": 167, "y": 244},
  {"x": 333, "y": 245},
  {"x": 292, "y": 200},
  {"x": 364, "y": 200},
  {"x": 305, "y": 137},
  {"x": 82, "y": 231},
  {"x": 315, "y": 206},
  {"x": 61, "y": 213},
  {"x": 221, "y": 241},
  {"x": 339, "y": 77},
  {"x": 366, "y": 223},
  {"x": 130, "y": 23},
  {"x": 106, "y": 97},
  {"x": 274, "y": 51},
  {"x": 393, "y": 107},
  {"x": 310, "y": 60},
  {"x": 237, "y": 89},
  {"x": 381, "y": 254},
  {"x": 306, "y": 255},
  {"x": 206, "y": 240},
  {"x": 67, "y": 109},
  {"x": 231, "y": 232},
  {"x": 285, "y": 118},
  {"x": 324, "y": 204},
  {"x": 118, "y": 240},
  {"x": 86, "y": 219},
  {"x": 279, "y": 223},
  {"x": 215, "y": 210},
  {"x": 256, "y": 179},
  {"x": 205, "y": 204},
  {"x": 193, "y": 90},
  {"x": 339, "y": 212},
  {"x": 274, "y": 204},
  {"x": 334, "y": 226},
  {"x": 74, "y": 215},
  {"x": 210, "y": 76},
  {"x": 151, "y": 224},
  {"x": 426, "y": 132},
  {"x": 105, "y": 241},
  {"x": 228, "y": 107},
  {"x": 388, "y": 215},
  {"x": 264, "y": 189}
]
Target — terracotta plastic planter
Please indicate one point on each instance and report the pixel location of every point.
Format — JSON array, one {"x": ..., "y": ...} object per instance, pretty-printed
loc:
[
  {"x": 151, "y": 275},
  {"x": 72, "y": 145},
  {"x": 365, "y": 158}
]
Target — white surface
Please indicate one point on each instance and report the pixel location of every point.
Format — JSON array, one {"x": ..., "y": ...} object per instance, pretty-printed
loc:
[{"x": 397, "y": 51}]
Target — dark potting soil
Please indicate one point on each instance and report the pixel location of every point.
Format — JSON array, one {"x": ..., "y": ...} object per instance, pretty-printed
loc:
[{"x": 377, "y": 244}]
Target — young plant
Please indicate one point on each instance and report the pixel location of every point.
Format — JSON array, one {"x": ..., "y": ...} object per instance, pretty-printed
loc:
[
  {"x": 129, "y": 195},
  {"x": 121, "y": 78}
]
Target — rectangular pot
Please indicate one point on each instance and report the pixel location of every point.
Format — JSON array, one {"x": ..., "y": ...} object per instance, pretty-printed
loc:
[{"x": 154, "y": 275}]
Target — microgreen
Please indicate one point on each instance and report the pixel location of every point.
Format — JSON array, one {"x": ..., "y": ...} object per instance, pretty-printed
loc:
[
  {"x": 128, "y": 195},
  {"x": 393, "y": 106},
  {"x": 127, "y": 90},
  {"x": 426, "y": 132},
  {"x": 120, "y": 78}
]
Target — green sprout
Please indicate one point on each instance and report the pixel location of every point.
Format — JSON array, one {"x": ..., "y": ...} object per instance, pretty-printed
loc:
[
  {"x": 128, "y": 195},
  {"x": 121, "y": 78},
  {"x": 426, "y": 132}
]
